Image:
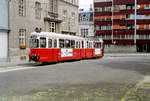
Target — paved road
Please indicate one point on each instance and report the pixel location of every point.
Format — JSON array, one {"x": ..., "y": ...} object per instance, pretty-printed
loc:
[{"x": 105, "y": 79}]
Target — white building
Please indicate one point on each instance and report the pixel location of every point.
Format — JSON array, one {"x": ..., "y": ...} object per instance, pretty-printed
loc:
[
  {"x": 86, "y": 23},
  {"x": 4, "y": 30}
]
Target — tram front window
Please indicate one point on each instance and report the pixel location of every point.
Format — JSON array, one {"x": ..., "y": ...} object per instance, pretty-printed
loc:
[
  {"x": 97, "y": 45},
  {"x": 34, "y": 43}
]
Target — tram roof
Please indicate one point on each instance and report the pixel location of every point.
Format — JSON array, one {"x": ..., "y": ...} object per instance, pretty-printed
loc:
[
  {"x": 63, "y": 36},
  {"x": 56, "y": 35}
]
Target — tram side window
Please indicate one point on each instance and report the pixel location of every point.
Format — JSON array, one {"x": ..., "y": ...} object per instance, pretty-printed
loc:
[
  {"x": 42, "y": 42},
  {"x": 72, "y": 43},
  {"x": 90, "y": 44},
  {"x": 67, "y": 43},
  {"x": 87, "y": 44},
  {"x": 61, "y": 43},
  {"x": 82, "y": 44},
  {"x": 49, "y": 43},
  {"x": 55, "y": 43},
  {"x": 77, "y": 44}
]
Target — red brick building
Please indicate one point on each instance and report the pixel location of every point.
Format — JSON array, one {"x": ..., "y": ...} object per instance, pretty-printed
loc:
[{"x": 124, "y": 25}]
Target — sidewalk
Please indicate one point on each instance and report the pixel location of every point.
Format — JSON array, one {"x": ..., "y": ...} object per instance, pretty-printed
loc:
[
  {"x": 10, "y": 64},
  {"x": 125, "y": 54}
]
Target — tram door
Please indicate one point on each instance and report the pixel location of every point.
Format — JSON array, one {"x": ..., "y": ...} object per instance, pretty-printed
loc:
[{"x": 55, "y": 50}]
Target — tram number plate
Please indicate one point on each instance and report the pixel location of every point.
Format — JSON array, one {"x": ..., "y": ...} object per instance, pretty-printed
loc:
[
  {"x": 66, "y": 52},
  {"x": 97, "y": 51}
]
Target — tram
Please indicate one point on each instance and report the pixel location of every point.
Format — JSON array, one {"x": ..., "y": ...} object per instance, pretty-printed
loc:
[{"x": 54, "y": 47}]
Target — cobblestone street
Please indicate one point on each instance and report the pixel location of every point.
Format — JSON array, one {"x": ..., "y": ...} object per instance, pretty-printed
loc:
[{"x": 110, "y": 78}]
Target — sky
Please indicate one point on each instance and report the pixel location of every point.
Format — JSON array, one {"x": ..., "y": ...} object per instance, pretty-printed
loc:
[{"x": 85, "y": 3}]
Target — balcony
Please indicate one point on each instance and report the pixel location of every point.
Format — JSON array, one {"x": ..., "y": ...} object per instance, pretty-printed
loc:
[
  {"x": 123, "y": 22},
  {"x": 102, "y": 22},
  {"x": 103, "y": 32},
  {"x": 103, "y": 13},
  {"x": 102, "y": 4},
  {"x": 52, "y": 17},
  {"x": 122, "y": 2}
]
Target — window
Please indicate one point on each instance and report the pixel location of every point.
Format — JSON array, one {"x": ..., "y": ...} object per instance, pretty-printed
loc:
[
  {"x": 52, "y": 26},
  {"x": 37, "y": 10},
  {"x": 67, "y": 43},
  {"x": 22, "y": 38},
  {"x": 49, "y": 43},
  {"x": 55, "y": 43},
  {"x": 72, "y": 43},
  {"x": 53, "y": 6},
  {"x": 77, "y": 44},
  {"x": 22, "y": 8},
  {"x": 73, "y": 18},
  {"x": 84, "y": 32},
  {"x": 42, "y": 42},
  {"x": 97, "y": 45},
  {"x": 64, "y": 15},
  {"x": 61, "y": 43},
  {"x": 84, "y": 18},
  {"x": 34, "y": 42}
]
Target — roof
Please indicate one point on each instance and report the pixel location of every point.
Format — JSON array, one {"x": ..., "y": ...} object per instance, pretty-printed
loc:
[
  {"x": 56, "y": 35},
  {"x": 62, "y": 36}
]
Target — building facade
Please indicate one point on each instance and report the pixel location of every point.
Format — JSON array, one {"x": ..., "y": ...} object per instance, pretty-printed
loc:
[
  {"x": 121, "y": 25},
  {"x": 86, "y": 23},
  {"x": 4, "y": 29},
  {"x": 47, "y": 15}
]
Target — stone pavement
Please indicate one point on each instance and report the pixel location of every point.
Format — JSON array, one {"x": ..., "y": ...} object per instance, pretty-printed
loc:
[
  {"x": 125, "y": 54},
  {"x": 10, "y": 64}
]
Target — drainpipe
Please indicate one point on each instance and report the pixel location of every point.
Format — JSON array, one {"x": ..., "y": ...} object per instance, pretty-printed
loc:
[
  {"x": 135, "y": 22},
  {"x": 112, "y": 21},
  {"x": 9, "y": 30}
]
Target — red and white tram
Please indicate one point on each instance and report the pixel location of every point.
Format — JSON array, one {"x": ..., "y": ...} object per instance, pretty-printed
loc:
[{"x": 53, "y": 47}]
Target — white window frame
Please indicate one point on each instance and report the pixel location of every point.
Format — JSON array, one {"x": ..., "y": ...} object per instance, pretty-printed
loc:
[
  {"x": 52, "y": 27},
  {"x": 22, "y": 37}
]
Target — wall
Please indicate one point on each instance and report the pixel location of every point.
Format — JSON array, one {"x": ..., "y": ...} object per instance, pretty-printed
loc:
[
  {"x": 3, "y": 46},
  {"x": 120, "y": 49},
  {"x": 3, "y": 14},
  {"x": 3, "y": 30},
  {"x": 70, "y": 8},
  {"x": 28, "y": 22}
]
